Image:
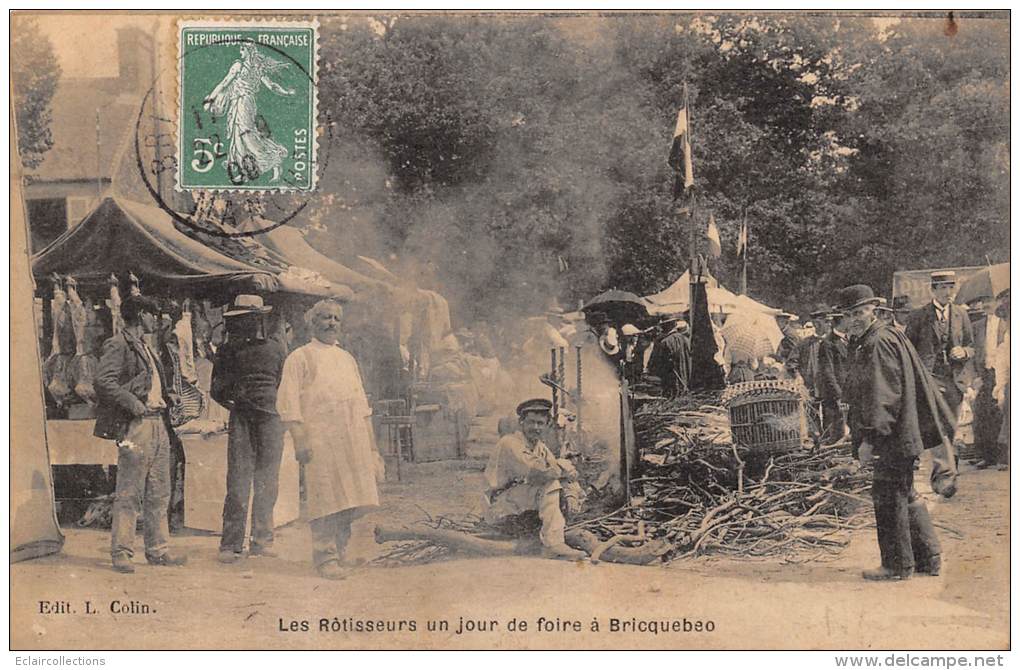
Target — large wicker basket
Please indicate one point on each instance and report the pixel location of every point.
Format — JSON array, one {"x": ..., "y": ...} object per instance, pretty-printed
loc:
[{"x": 768, "y": 416}]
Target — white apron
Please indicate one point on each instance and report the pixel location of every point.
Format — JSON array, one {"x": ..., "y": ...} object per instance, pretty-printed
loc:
[{"x": 322, "y": 388}]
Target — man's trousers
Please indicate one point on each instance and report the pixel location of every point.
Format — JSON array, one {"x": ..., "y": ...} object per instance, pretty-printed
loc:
[
  {"x": 143, "y": 486},
  {"x": 254, "y": 450},
  {"x": 906, "y": 536},
  {"x": 330, "y": 535}
]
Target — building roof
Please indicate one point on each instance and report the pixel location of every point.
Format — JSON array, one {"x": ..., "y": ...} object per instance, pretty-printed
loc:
[{"x": 79, "y": 153}]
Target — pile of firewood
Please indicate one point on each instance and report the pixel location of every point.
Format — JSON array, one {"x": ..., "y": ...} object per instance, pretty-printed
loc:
[
  {"x": 693, "y": 493},
  {"x": 701, "y": 494}
]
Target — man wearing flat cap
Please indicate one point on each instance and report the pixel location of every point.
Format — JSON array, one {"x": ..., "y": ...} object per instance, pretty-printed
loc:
[
  {"x": 524, "y": 478},
  {"x": 895, "y": 413},
  {"x": 942, "y": 334}
]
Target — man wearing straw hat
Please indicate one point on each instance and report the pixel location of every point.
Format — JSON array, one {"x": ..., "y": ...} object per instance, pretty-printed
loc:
[
  {"x": 942, "y": 334},
  {"x": 245, "y": 378},
  {"x": 895, "y": 413}
]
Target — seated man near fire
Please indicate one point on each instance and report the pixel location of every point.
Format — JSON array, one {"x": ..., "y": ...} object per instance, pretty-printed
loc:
[{"x": 525, "y": 481}]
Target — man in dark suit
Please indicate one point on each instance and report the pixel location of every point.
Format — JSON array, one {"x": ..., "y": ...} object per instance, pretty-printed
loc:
[
  {"x": 895, "y": 413},
  {"x": 786, "y": 352},
  {"x": 133, "y": 399},
  {"x": 671, "y": 358},
  {"x": 942, "y": 335},
  {"x": 833, "y": 352}
]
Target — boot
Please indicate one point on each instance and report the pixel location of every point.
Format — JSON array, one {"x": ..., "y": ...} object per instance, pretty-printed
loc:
[
  {"x": 887, "y": 575},
  {"x": 931, "y": 567},
  {"x": 563, "y": 552},
  {"x": 228, "y": 556},
  {"x": 332, "y": 570},
  {"x": 167, "y": 559},
  {"x": 259, "y": 550},
  {"x": 122, "y": 563}
]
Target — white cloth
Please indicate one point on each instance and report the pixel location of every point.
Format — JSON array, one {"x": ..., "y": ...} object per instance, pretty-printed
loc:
[
  {"x": 322, "y": 389},
  {"x": 991, "y": 342},
  {"x": 1001, "y": 359},
  {"x": 155, "y": 398},
  {"x": 186, "y": 348},
  {"x": 941, "y": 311}
]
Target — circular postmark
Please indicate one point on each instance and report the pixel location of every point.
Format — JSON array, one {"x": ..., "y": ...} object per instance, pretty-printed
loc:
[{"x": 262, "y": 183}]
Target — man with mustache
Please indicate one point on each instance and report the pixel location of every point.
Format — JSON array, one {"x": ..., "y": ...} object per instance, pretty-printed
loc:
[
  {"x": 525, "y": 482},
  {"x": 322, "y": 402},
  {"x": 895, "y": 413}
]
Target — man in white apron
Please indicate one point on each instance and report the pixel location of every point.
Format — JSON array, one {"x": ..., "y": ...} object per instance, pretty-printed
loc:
[{"x": 322, "y": 403}]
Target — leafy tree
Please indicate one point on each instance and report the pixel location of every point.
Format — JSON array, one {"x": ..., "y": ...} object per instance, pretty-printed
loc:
[
  {"x": 35, "y": 73},
  {"x": 504, "y": 159}
]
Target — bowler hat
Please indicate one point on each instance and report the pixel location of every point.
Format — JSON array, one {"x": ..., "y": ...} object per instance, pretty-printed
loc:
[
  {"x": 247, "y": 304},
  {"x": 539, "y": 405},
  {"x": 857, "y": 295},
  {"x": 901, "y": 303}
]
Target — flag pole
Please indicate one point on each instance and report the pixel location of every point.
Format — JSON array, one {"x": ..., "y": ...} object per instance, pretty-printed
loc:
[
  {"x": 691, "y": 202},
  {"x": 743, "y": 249}
]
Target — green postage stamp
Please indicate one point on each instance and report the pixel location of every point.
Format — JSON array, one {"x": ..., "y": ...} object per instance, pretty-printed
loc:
[{"x": 247, "y": 107}]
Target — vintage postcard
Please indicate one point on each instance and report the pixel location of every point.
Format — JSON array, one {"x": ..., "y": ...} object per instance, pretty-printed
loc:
[{"x": 386, "y": 330}]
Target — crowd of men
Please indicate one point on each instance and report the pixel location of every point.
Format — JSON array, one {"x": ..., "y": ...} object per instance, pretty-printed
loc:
[
  {"x": 314, "y": 392},
  {"x": 895, "y": 381},
  {"x": 965, "y": 350}
]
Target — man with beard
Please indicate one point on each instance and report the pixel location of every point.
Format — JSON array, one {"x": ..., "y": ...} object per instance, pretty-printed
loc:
[
  {"x": 322, "y": 403},
  {"x": 525, "y": 482},
  {"x": 895, "y": 413}
]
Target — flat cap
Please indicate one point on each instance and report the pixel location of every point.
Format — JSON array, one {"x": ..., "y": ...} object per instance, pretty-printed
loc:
[{"x": 541, "y": 405}]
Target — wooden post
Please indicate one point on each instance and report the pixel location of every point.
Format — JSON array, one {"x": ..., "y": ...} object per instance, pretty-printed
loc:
[
  {"x": 578, "y": 398},
  {"x": 555, "y": 393}
]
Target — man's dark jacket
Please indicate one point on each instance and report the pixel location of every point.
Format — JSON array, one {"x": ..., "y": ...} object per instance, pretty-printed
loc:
[
  {"x": 923, "y": 329},
  {"x": 122, "y": 385},
  {"x": 894, "y": 403},
  {"x": 247, "y": 373},
  {"x": 830, "y": 378},
  {"x": 671, "y": 361}
]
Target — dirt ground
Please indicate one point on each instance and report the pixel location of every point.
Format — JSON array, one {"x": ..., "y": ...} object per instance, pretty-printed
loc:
[{"x": 259, "y": 602}]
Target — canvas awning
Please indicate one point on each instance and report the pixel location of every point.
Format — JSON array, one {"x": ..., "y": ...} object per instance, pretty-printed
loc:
[
  {"x": 677, "y": 298},
  {"x": 121, "y": 236}
]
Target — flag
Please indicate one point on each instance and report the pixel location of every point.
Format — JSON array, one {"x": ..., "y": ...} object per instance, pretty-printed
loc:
[
  {"x": 714, "y": 246},
  {"x": 742, "y": 240},
  {"x": 680, "y": 155}
]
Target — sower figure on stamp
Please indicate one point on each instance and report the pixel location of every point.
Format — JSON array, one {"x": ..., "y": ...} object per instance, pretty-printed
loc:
[
  {"x": 322, "y": 403},
  {"x": 524, "y": 478},
  {"x": 234, "y": 98},
  {"x": 131, "y": 389},
  {"x": 245, "y": 377},
  {"x": 895, "y": 413}
]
